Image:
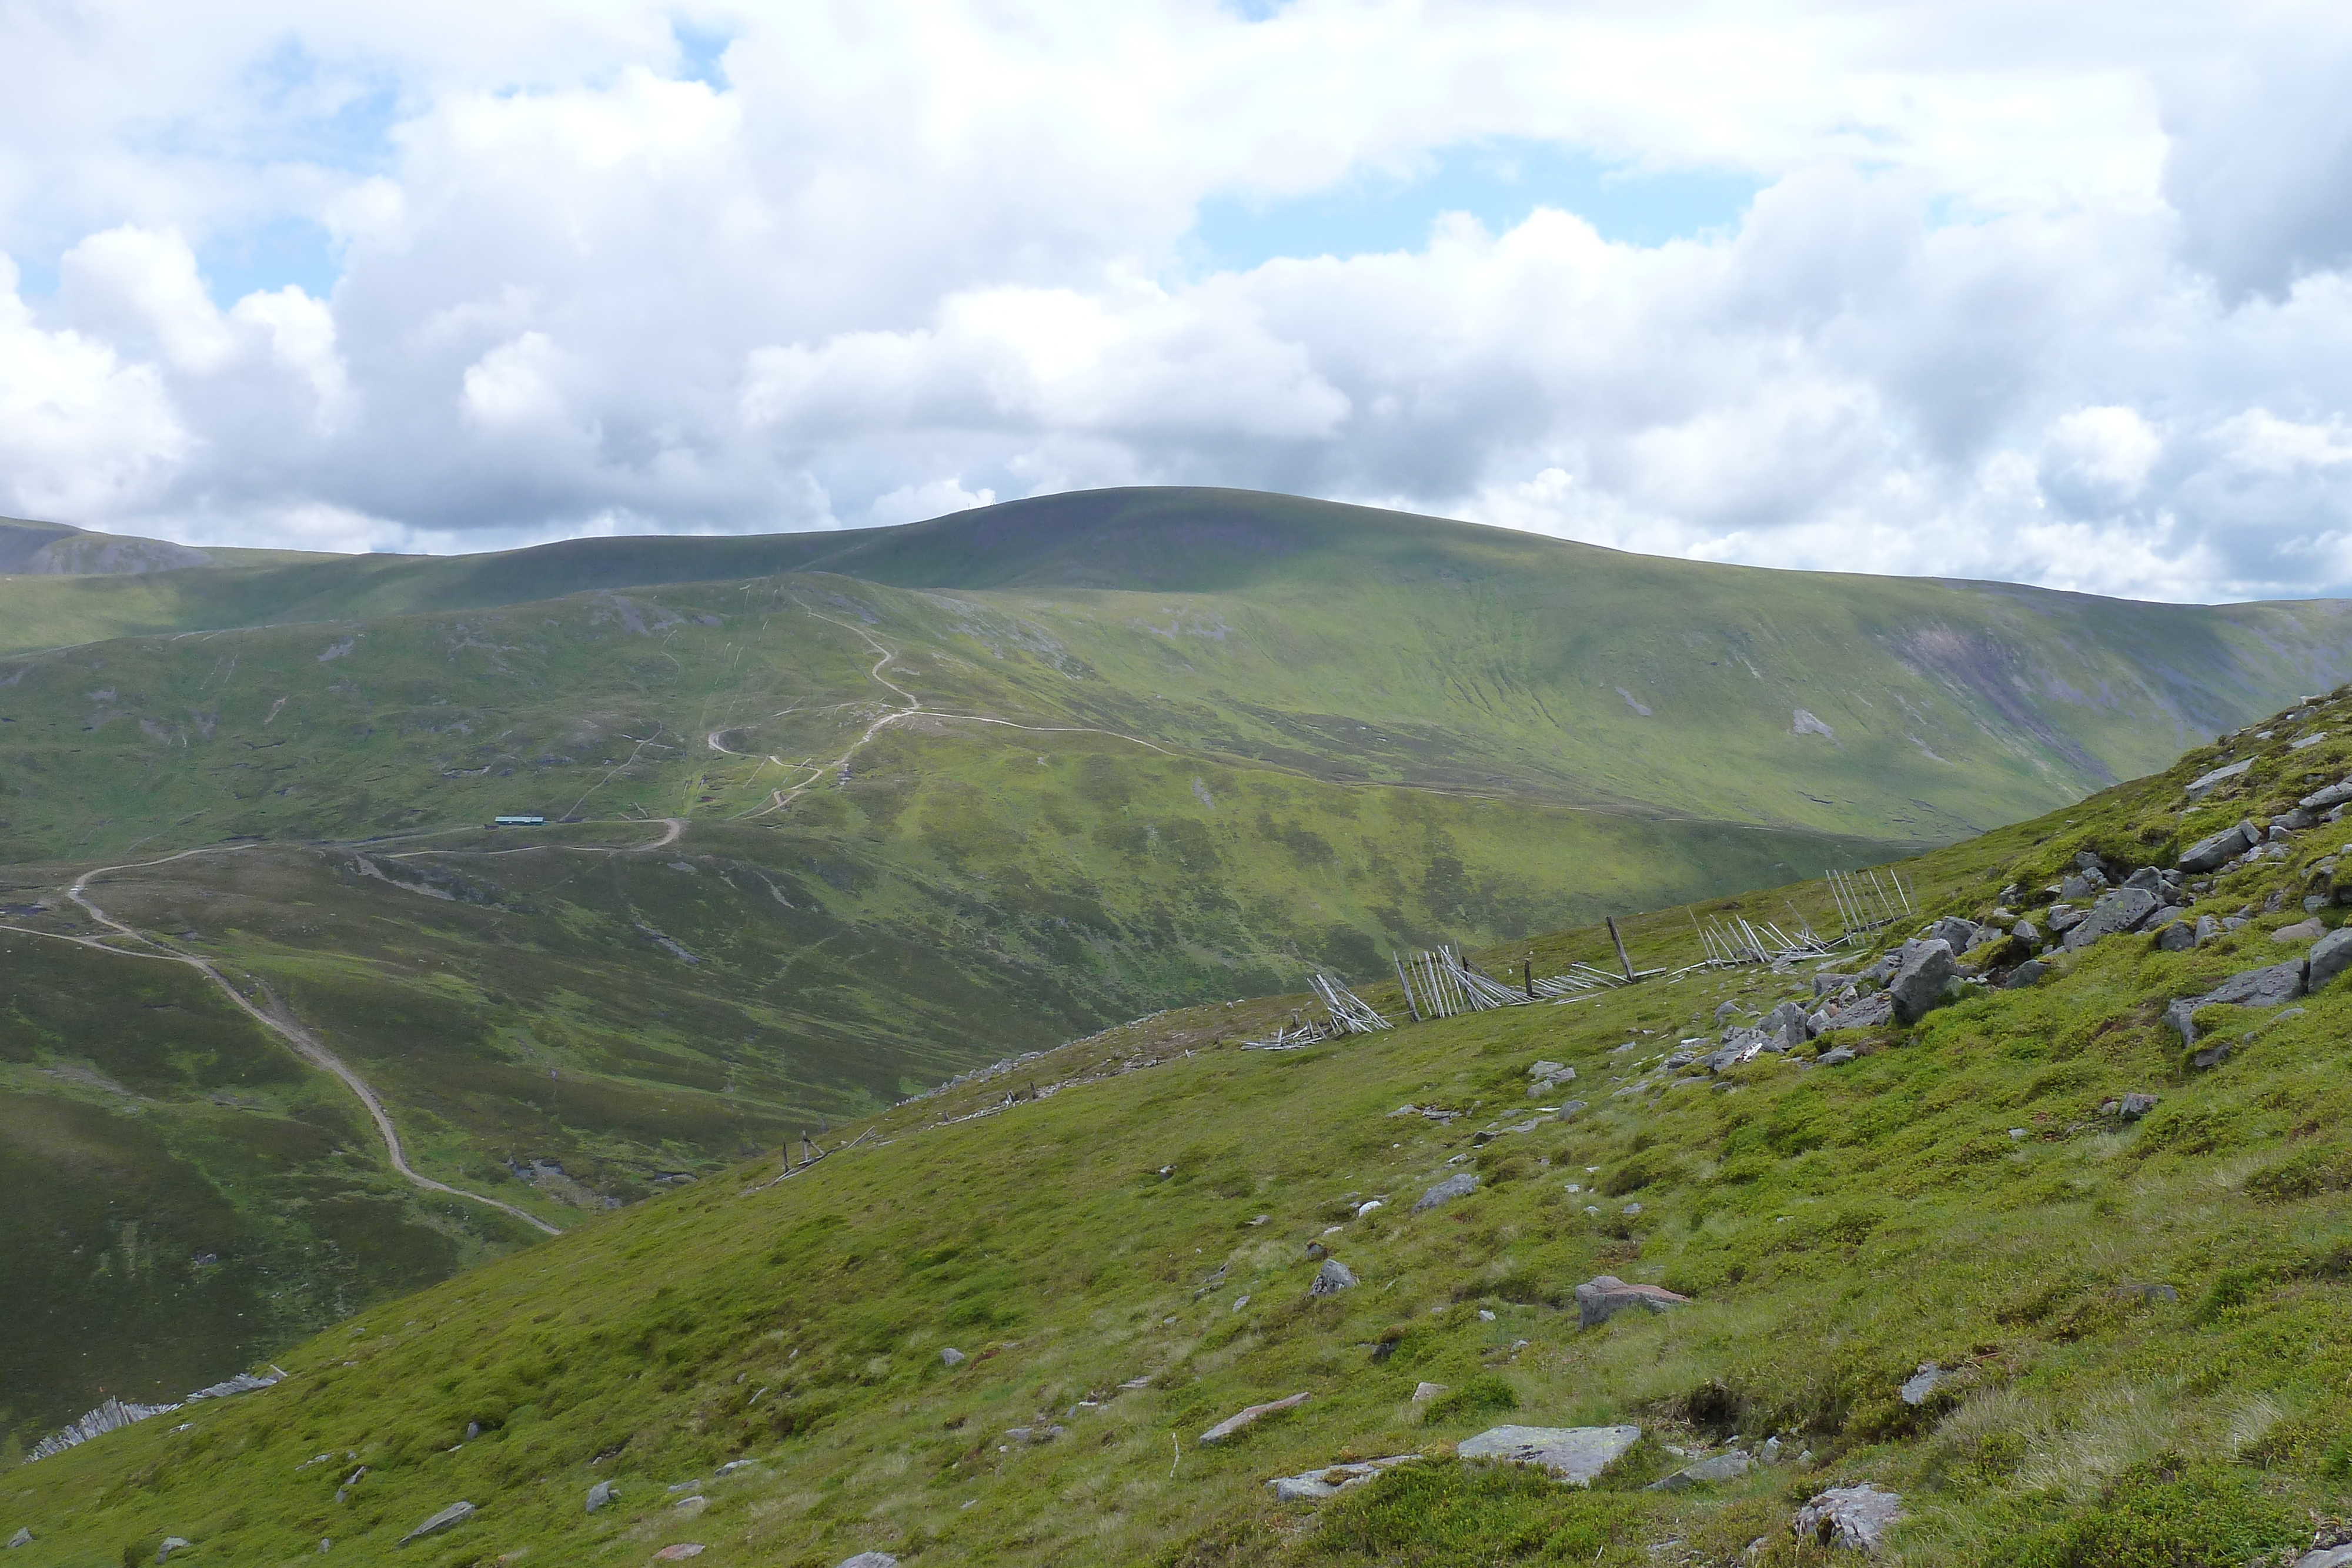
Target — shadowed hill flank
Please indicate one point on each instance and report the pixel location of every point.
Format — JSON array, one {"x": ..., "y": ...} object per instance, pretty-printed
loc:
[{"x": 2011, "y": 1275}]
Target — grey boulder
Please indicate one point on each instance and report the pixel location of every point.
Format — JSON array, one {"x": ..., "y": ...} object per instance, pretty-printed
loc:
[
  {"x": 1249, "y": 1417},
  {"x": 870, "y": 1560},
  {"x": 24, "y": 1536},
  {"x": 2210, "y": 853},
  {"x": 456, "y": 1513},
  {"x": 2025, "y": 931},
  {"x": 1854, "y": 1519},
  {"x": 1330, "y": 1482},
  {"x": 2123, "y": 910},
  {"x": 1838, "y": 1056},
  {"x": 952, "y": 1358},
  {"x": 1575, "y": 1454},
  {"x": 1331, "y": 1279},
  {"x": 1957, "y": 934},
  {"x": 2264, "y": 988},
  {"x": 2176, "y": 936},
  {"x": 1924, "y": 969},
  {"x": 1460, "y": 1184},
  {"x": 2205, "y": 781},
  {"x": 1923, "y": 1382},
  {"x": 600, "y": 1494},
  {"x": 2333, "y": 1557},
  {"x": 2028, "y": 973},
  {"x": 2321, "y": 800},
  {"x": 1727, "y": 1465},
  {"x": 2330, "y": 957},
  {"x": 1604, "y": 1296}
]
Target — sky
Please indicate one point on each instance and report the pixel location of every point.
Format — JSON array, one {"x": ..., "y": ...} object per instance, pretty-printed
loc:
[{"x": 2058, "y": 295}]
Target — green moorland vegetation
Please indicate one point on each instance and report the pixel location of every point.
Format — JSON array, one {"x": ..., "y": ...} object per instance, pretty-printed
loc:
[
  {"x": 2149, "y": 1319},
  {"x": 861, "y": 811}
]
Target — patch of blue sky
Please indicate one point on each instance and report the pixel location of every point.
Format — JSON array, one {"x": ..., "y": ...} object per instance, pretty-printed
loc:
[
  {"x": 311, "y": 112},
  {"x": 1498, "y": 183},
  {"x": 702, "y": 54},
  {"x": 267, "y": 257}
]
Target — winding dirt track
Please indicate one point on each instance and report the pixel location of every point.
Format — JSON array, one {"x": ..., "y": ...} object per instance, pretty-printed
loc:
[{"x": 303, "y": 1042}]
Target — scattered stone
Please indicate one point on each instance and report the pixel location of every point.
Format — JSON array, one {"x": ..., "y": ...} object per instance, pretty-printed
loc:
[
  {"x": 2124, "y": 909},
  {"x": 1240, "y": 1301},
  {"x": 456, "y": 1513},
  {"x": 1924, "y": 969},
  {"x": 2207, "y": 929},
  {"x": 1234, "y": 1423},
  {"x": 600, "y": 1494},
  {"x": 1547, "y": 1076},
  {"x": 1866, "y": 1012},
  {"x": 1460, "y": 1184},
  {"x": 2025, "y": 931},
  {"x": 2026, "y": 974},
  {"x": 1631, "y": 1209},
  {"x": 2301, "y": 931},
  {"x": 1727, "y": 1465},
  {"x": 1317, "y": 1485},
  {"x": 1769, "y": 1453},
  {"x": 2145, "y": 1293},
  {"x": 1923, "y": 1382},
  {"x": 24, "y": 1537},
  {"x": 677, "y": 1486},
  {"x": 171, "y": 1543},
  {"x": 1853, "y": 1518},
  {"x": 1837, "y": 1056},
  {"x": 2132, "y": 1107},
  {"x": 2330, "y": 958},
  {"x": 2176, "y": 935},
  {"x": 952, "y": 1358},
  {"x": 2321, "y": 800},
  {"x": 2209, "y": 853},
  {"x": 687, "y": 1507},
  {"x": 2212, "y": 1056},
  {"x": 473, "y": 1430},
  {"x": 1603, "y": 1297},
  {"x": 870, "y": 1560},
  {"x": 680, "y": 1552},
  {"x": 2264, "y": 987},
  {"x": 1425, "y": 1392},
  {"x": 2204, "y": 782},
  {"x": 1317, "y": 1250},
  {"x": 1575, "y": 1454},
  {"x": 1031, "y": 1435},
  {"x": 1568, "y": 1108},
  {"x": 1954, "y": 933},
  {"x": 1331, "y": 1279}
]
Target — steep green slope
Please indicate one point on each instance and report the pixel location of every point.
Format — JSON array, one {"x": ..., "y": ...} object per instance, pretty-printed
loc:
[{"x": 2147, "y": 1318}]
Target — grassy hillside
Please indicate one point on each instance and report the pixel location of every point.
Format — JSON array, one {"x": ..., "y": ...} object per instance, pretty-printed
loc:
[
  {"x": 946, "y": 794},
  {"x": 2146, "y": 1318}
]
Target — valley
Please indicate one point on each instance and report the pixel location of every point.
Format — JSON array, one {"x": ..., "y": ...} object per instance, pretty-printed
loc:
[{"x": 832, "y": 818}]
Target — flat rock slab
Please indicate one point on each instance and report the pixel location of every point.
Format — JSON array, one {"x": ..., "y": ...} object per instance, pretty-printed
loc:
[
  {"x": 456, "y": 1513},
  {"x": 1239, "y": 1420},
  {"x": 680, "y": 1552},
  {"x": 1448, "y": 1191},
  {"x": 1604, "y": 1296},
  {"x": 1317, "y": 1485},
  {"x": 2268, "y": 987},
  {"x": 1728, "y": 1466},
  {"x": 1575, "y": 1454},
  {"x": 2333, "y": 1557},
  {"x": 1922, "y": 1383},
  {"x": 1854, "y": 1519},
  {"x": 870, "y": 1560}
]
